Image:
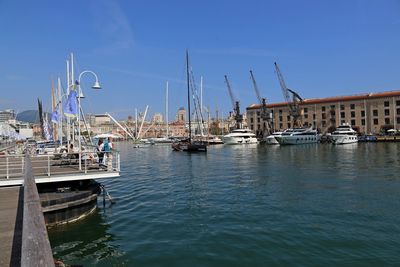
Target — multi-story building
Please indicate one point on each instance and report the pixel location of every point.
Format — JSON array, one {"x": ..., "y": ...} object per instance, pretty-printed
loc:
[
  {"x": 158, "y": 118},
  {"x": 6, "y": 115},
  {"x": 181, "y": 115},
  {"x": 367, "y": 113}
]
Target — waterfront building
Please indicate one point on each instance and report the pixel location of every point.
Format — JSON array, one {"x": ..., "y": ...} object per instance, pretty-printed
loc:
[
  {"x": 6, "y": 115},
  {"x": 181, "y": 115},
  {"x": 366, "y": 113},
  {"x": 158, "y": 118}
]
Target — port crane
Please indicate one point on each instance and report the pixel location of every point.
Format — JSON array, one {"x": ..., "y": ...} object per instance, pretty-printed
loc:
[
  {"x": 265, "y": 116},
  {"x": 293, "y": 104},
  {"x": 235, "y": 104}
]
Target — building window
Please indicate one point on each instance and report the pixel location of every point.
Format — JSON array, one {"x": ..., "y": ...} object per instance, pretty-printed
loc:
[
  {"x": 333, "y": 106},
  {"x": 341, "y": 107},
  {"x": 313, "y": 116},
  {"x": 251, "y": 120},
  {"x": 323, "y": 116},
  {"x": 280, "y": 125},
  {"x": 323, "y": 123},
  {"x": 362, "y": 121},
  {"x": 376, "y": 121},
  {"x": 280, "y": 111},
  {"x": 353, "y": 122},
  {"x": 375, "y": 112},
  {"x": 387, "y": 121},
  {"x": 398, "y": 111},
  {"x": 386, "y": 103},
  {"x": 398, "y": 119},
  {"x": 397, "y": 102},
  {"x": 258, "y": 119},
  {"x": 258, "y": 127},
  {"x": 251, "y": 126},
  {"x": 306, "y": 116},
  {"x": 280, "y": 118},
  {"x": 353, "y": 114},
  {"x": 352, "y": 106},
  {"x": 342, "y": 114},
  {"x": 323, "y": 108},
  {"x": 387, "y": 113},
  {"x": 305, "y": 110},
  {"x": 288, "y": 125},
  {"x": 362, "y": 113},
  {"x": 258, "y": 113}
]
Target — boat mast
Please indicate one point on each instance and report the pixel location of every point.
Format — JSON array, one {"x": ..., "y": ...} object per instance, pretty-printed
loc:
[
  {"x": 188, "y": 95},
  {"x": 166, "y": 110},
  {"x": 136, "y": 124}
]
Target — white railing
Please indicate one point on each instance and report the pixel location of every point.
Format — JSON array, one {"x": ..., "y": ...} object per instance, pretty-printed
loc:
[{"x": 12, "y": 166}]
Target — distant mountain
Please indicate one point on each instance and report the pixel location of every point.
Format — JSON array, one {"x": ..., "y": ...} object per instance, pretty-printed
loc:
[{"x": 31, "y": 116}]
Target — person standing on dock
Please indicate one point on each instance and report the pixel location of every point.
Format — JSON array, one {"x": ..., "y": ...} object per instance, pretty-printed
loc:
[{"x": 108, "y": 146}]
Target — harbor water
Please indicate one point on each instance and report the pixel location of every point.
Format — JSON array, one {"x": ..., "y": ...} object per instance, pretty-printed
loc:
[{"x": 251, "y": 205}]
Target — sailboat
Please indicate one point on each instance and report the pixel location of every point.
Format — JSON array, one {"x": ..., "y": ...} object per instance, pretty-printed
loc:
[{"x": 189, "y": 144}]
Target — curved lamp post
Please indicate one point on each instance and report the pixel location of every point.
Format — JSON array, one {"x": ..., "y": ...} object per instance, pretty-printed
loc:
[{"x": 95, "y": 86}]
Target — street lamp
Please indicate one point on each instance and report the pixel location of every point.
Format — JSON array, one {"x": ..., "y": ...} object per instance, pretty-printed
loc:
[{"x": 95, "y": 86}]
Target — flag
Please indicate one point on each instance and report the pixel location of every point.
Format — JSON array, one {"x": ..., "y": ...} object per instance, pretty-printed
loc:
[
  {"x": 55, "y": 118},
  {"x": 71, "y": 106},
  {"x": 46, "y": 129}
]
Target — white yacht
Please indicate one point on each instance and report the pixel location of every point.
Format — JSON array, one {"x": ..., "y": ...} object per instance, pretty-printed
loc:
[
  {"x": 344, "y": 134},
  {"x": 240, "y": 136},
  {"x": 271, "y": 140},
  {"x": 298, "y": 136}
]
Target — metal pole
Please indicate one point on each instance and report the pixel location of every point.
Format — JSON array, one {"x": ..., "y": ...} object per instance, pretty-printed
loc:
[
  {"x": 48, "y": 165},
  {"x": 166, "y": 110},
  {"x": 7, "y": 167}
]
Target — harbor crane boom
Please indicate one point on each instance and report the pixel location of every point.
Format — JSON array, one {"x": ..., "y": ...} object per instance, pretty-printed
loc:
[
  {"x": 293, "y": 104},
  {"x": 235, "y": 104},
  {"x": 263, "y": 102}
]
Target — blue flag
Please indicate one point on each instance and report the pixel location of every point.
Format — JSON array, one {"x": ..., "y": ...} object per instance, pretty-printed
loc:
[
  {"x": 55, "y": 118},
  {"x": 71, "y": 106}
]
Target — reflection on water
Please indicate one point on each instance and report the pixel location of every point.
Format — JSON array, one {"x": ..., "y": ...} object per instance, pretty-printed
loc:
[
  {"x": 247, "y": 205},
  {"x": 85, "y": 241}
]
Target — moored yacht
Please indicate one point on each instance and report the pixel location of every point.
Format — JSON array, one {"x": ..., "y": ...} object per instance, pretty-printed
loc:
[
  {"x": 344, "y": 134},
  {"x": 298, "y": 136},
  {"x": 240, "y": 136},
  {"x": 271, "y": 140}
]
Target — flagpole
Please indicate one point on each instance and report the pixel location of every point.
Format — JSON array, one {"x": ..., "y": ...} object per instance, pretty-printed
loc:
[
  {"x": 68, "y": 119},
  {"x": 60, "y": 134}
]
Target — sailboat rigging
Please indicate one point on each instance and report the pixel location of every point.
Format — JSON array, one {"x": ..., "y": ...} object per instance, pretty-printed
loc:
[{"x": 189, "y": 145}]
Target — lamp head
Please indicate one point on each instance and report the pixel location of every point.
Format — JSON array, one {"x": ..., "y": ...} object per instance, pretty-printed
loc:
[
  {"x": 80, "y": 95},
  {"x": 96, "y": 85}
]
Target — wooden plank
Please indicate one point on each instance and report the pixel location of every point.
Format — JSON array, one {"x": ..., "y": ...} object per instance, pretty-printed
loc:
[
  {"x": 36, "y": 249},
  {"x": 11, "y": 209}
]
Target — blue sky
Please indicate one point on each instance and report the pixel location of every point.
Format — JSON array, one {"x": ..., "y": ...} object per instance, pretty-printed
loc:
[{"x": 324, "y": 48}]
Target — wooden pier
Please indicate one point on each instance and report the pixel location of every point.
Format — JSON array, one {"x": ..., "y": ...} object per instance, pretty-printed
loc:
[{"x": 11, "y": 214}]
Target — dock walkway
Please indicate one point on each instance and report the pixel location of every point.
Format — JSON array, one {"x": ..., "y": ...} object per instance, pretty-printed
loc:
[{"x": 11, "y": 215}]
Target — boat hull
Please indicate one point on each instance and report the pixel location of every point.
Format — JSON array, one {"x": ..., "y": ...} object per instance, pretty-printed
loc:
[
  {"x": 271, "y": 140},
  {"x": 297, "y": 140},
  {"x": 229, "y": 140},
  {"x": 344, "y": 139},
  {"x": 189, "y": 147}
]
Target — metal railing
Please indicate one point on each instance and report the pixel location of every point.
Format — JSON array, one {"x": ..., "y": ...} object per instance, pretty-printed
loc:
[
  {"x": 12, "y": 166},
  {"x": 36, "y": 249}
]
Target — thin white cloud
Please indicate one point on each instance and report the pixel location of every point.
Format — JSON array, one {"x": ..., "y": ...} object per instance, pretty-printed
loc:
[{"x": 113, "y": 26}]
